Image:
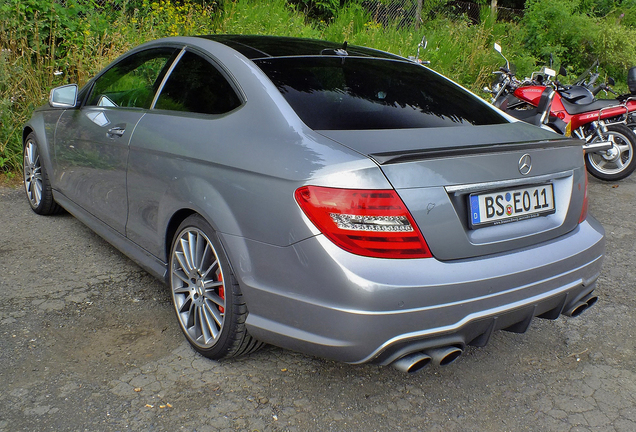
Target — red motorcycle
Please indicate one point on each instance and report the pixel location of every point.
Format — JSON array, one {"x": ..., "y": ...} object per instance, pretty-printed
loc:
[{"x": 573, "y": 111}]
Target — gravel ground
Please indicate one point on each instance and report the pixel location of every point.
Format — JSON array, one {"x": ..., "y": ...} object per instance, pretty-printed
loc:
[{"x": 88, "y": 341}]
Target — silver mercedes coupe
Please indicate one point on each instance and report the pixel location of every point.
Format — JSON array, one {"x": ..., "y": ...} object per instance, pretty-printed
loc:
[{"x": 331, "y": 199}]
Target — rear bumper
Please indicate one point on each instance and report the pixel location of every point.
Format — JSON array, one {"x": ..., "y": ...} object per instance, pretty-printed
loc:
[{"x": 315, "y": 298}]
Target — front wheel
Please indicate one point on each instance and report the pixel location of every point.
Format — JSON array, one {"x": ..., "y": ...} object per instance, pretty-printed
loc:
[
  {"x": 206, "y": 297},
  {"x": 36, "y": 180},
  {"x": 618, "y": 162}
]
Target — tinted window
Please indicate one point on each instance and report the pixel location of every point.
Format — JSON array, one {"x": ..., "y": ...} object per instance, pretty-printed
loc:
[
  {"x": 195, "y": 85},
  {"x": 254, "y": 47},
  {"x": 357, "y": 93},
  {"x": 133, "y": 81}
]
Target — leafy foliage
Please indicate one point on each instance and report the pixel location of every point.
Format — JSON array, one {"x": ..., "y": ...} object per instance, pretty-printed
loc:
[
  {"x": 577, "y": 39},
  {"x": 319, "y": 10}
]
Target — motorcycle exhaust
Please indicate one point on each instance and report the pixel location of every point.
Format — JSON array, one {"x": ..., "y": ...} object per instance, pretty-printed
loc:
[{"x": 597, "y": 146}]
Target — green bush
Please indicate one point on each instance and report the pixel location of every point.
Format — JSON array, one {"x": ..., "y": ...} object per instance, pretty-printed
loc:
[
  {"x": 553, "y": 27},
  {"x": 576, "y": 39}
]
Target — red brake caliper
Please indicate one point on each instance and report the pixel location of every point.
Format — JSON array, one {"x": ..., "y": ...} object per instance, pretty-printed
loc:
[{"x": 221, "y": 293}]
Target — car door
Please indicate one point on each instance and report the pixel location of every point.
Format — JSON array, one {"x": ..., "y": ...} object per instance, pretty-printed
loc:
[
  {"x": 92, "y": 142},
  {"x": 170, "y": 144}
]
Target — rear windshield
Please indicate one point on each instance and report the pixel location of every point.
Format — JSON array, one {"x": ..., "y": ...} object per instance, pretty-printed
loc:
[{"x": 340, "y": 93}]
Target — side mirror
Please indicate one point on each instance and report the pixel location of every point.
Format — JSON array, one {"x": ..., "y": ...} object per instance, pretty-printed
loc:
[
  {"x": 611, "y": 81},
  {"x": 549, "y": 72},
  {"x": 423, "y": 42},
  {"x": 562, "y": 71},
  {"x": 498, "y": 49},
  {"x": 64, "y": 96}
]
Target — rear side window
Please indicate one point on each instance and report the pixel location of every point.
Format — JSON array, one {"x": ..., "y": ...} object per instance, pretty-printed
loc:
[
  {"x": 195, "y": 85},
  {"x": 338, "y": 93}
]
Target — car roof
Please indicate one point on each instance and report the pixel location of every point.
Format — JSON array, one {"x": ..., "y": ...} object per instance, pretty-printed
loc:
[{"x": 256, "y": 47}]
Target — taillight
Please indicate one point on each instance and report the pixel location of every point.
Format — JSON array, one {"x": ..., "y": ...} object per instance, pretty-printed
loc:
[
  {"x": 585, "y": 201},
  {"x": 373, "y": 223}
]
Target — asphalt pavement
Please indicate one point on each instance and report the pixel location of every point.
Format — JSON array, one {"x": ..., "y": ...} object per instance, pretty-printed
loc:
[{"x": 89, "y": 342}]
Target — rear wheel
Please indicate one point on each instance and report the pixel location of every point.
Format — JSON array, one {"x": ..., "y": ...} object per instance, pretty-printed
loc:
[
  {"x": 36, "y": 180},
  {"x": 618, "y": 162},
  {"x": 206, "y": 297}
]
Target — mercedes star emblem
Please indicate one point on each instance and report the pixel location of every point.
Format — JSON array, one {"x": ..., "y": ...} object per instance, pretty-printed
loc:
[{"x": 525, "y": 164}]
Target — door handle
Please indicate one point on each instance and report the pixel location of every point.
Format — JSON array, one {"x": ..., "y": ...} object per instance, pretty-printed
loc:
[{"x": 116, "y": 132}]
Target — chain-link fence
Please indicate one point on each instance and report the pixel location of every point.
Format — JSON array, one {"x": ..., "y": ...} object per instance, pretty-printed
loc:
[
  {"x": 473, "y": 11},
  {"x": 391, "y": 12},
  {"x": 410, "y": 12}
]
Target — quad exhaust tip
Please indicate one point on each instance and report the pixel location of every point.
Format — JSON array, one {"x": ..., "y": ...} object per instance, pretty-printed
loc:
[
  {"x": 581, "y": 306},
  {"x": 412, "y": 363},
  {"x": 442, "y": 356},
  {"x": 445, "y": 356}
]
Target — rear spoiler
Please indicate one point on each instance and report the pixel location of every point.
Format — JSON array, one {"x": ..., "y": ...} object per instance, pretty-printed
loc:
[{"x": 446, "y": 152}]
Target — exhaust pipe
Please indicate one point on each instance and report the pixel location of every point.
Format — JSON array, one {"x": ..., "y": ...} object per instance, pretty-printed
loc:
[
  {"x": 445, "y": 355},
  {"x": 577, "y": 309},
  {"x": 597, "y": 146},
  {"x": 581, "y": 306},
  {"x": 412, "y": 363},
  {"x": 591, "y": 300}
]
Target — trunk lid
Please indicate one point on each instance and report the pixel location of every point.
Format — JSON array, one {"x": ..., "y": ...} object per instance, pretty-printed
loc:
[{"x": 435, "y": 172}]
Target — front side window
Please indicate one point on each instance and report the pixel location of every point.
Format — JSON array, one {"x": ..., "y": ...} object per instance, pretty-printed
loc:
[
  {"x": 133, "y": 81},
  {"x": 196, "y": 86},
  {"x": 330, "y": 93}
]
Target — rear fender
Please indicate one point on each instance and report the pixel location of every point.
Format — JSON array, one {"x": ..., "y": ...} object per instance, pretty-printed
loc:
[{"x": 205, "y": 200}]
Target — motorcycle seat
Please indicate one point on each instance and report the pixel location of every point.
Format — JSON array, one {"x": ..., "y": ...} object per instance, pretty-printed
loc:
[{"x": 583, "y": 108}]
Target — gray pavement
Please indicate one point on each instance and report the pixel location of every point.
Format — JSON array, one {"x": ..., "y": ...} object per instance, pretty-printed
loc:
[{"x": 88, "y": 342}]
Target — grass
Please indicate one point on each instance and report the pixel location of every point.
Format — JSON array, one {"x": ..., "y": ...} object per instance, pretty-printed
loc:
[{"x": 11, "y": 180}]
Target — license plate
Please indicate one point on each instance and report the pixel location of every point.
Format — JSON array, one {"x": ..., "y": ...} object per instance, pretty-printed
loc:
[{"x": 511, "y": 205}]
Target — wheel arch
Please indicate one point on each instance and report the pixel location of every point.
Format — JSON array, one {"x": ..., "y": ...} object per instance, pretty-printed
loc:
[
  {"x": 171, "y": 229},
  {"x": 26, "y": 131},
  {"x": 205, "y": 200},
  {"x": 44, "y": 135}
]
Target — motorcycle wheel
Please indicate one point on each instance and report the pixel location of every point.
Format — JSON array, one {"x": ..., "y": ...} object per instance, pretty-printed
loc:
[{"x": 618, "y": 162}]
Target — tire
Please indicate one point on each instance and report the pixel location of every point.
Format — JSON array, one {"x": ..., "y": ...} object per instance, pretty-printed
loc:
[
  {"x": 36, "y": 180},
  {"x": 618, "y": 162},
  {"x": 206, "y": 297}
]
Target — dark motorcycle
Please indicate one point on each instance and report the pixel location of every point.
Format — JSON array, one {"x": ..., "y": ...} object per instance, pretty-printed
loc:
[{"x": 573, "y": 111}]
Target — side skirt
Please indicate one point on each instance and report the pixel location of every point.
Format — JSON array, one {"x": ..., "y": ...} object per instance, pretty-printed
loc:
[{"x": 142, "y": 257}]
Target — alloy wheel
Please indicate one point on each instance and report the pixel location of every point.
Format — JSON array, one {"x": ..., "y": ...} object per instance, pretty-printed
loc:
[
  {"x": 616, "y": 159},
  {"x": 32, "y": 173},
  {"x": 198, "y": 289}
]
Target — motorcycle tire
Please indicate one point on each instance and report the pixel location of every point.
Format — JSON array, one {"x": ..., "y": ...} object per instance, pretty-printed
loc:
[{"x": 618, "y": 162}]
